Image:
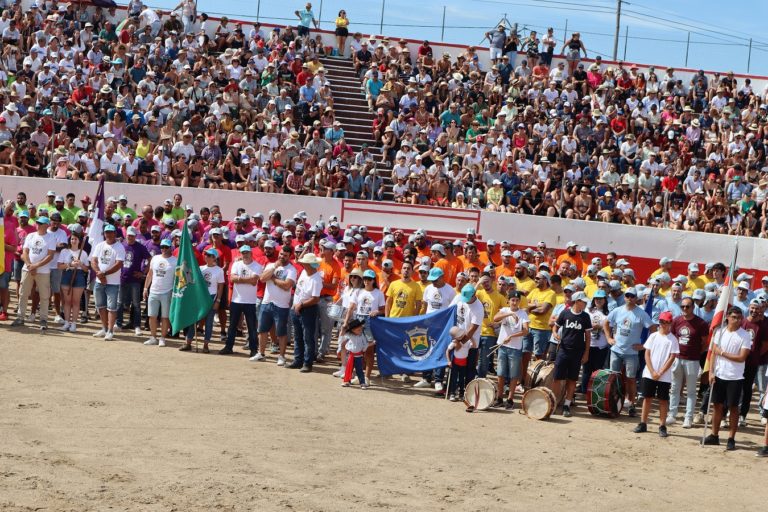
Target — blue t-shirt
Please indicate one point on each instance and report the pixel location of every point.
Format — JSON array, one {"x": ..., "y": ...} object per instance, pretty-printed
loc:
[
  {"x": 305, "y": 17},
  {"x": 627, "y": 327}
]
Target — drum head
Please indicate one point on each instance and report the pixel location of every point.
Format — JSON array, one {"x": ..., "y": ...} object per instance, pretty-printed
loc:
[
  {"x": 480, "y": 394},
  {"x": 537, "y": 403}
]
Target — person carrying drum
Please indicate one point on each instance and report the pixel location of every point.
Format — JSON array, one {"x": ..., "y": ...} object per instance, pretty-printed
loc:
[
  {"x": 469, "y": 318},
  {"x": 661, "y": 350},
  {"x": 623, "y": 329},
  {"x": 573, "y": 330},
  {"x": 514, "y": 326}
]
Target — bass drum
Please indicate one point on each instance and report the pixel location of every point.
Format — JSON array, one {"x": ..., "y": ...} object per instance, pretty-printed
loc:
[
  {"x": 539, "y": 403},
  {"x": 605, "y": 393},
  {"x": 480, "y": 394},
  {"x": 543, "y": 374}
]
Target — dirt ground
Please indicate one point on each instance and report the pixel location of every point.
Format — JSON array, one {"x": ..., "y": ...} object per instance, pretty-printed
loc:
[{"x": 90, "y": 425}]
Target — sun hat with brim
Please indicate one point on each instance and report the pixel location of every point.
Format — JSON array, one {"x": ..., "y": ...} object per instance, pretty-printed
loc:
[{"x": 309, "y": 259}]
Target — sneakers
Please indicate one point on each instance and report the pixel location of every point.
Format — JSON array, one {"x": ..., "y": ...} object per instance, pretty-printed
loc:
[
  {"x": 687, "y": 423},
  {"x": 306, "y": 369},
  {"x": 498, "y": 402},
  {"x": 509, "y": 405},
  {"x": 31, "y": 317},
  {"x": 296, "y": 364},
  {"x": 280, "y": 361},
  {"x": 137, "y": 331},
  {"x": 151, "y": 341},
  {"x": 762, "y": 452},
  {"x": 225, "y": 351},
  {"x": 698, "y": 418},
  {"x": 438, "y": 386},
  {"x": 743, "y": 421},
  {"x": 64, "y": 328},
  {"x": 109, "y": 336},
  {"x": 423, "y": 383},
  {"x": 567, "y": 411},
  {"x": 18, "y": 322},
  {"x": 405, "y": 378},
  {"x": 43, "y": 326},
  {"x": 72, "y": 327},
  {"x": 339, "y": 373},
  {"x": 185, "y": 348},
  {"x": 640, "y": 428},
  {"x": 712, "y": 440},
  {"x": 257, "y": 357},
  {"x": 452, "y": 398},
  {"x": 671, "y": 420},
  {"x": 161, "y": 342},
  {"x": 663, "y": 431},
  {"x": 274, "y": 349},
  {"x": 519, "y": 389},
  {"x": 730, "y": 445},
  {"x": 58, "y": 320},
  {"x": 3, "y": 316},
  {"x": 764, "y": 421},
  {"x": 632, "y": 411},
  {"x": 364, "y": 385},
  {"x": 117, "y": 328},
  {"x": 355, "y": 380},
  {"x": 345, "y": 384},
  {"x": 100, "y": 333}
]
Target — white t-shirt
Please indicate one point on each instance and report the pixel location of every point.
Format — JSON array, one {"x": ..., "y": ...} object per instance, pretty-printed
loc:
[
  {"x": 106, "y": 257},
  {"x": 509, "y": 326},
  {"x": 461, "y": 352},
  {"x": 39, "y": 246},
  {"x": 661, "y": 347},
  {"x": 273, "y": 294},
  {"x": 163, "y": 271},
  {"x": 732, "y": 343},
  {"x": 438, "y": 298},
  {"x": 468, "y": 315},
  {"x": 367, "y": 301},
  {"x": 58, "y": 237},
  {"x": 355, "y": 343},
  {"x": 244, "y": 293},
  {"x": 308, "y": 286},
  {"x": 67, "y": 256},
  {"x": 214, "y": 276}
]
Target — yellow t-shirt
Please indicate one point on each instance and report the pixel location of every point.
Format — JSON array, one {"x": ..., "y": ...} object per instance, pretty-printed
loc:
[
  {"x": 537, "y": 296},
  {"x": 404, "y": 298},
  {"x": 525, "y": 284},
  {"x": 560, "y": 298},
  {"x": 607, "y": 269},
  {"x": 492, "y": 302},
  {"x": 657, "y": 272},
  {"x": 697, "y": 283}
]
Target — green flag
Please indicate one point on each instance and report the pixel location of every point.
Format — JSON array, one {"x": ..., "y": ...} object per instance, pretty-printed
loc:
[{"x": 190, "y": 301}]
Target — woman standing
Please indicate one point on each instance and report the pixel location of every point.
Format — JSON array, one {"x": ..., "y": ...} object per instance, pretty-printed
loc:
[
  {"x": 342, "y": 31},
  {"x": 74, "y": 262},
  {"x": 575, "y": 46},
  {"x": 598, "y": 345},
  {"x": 368, "y": 303}
]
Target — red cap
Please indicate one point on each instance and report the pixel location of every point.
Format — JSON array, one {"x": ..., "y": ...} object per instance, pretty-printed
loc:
[
  {"x": 86, "y": 199},
  {"x": 666, "y": 316}
]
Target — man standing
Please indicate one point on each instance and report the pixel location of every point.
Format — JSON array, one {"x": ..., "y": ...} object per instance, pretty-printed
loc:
[
  {"x": 540, "y": 302},
  {"x": 437, "y": 296},
  {"x": 330, "y": 271},
  {"x": 755, "y": 325},
  {"x": 107, "y": 260},
  {"x": 131, "y": 280},
  {"x": 37, "y": 253},
  {"x": 60, "y": 241},
  {"x": 492, "y": 302},
  {"x": 280, "y": 278},
  {"x": 729, "y": 351},
  {"x": 572, "y": 329},
  {"x": 304, "y": 314},
  {"x": 404, "y": 296},
  {"x": 623, "y": 329},
  {"x": 244, "y": 275},
  {"x": 691, "y": 333},
  {"x": 469, "y": 317},
  {"x": 158, "y": 287}
]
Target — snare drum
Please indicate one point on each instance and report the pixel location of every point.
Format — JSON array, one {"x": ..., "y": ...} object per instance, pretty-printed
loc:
[
  {"x": 605, "y": 393},
  {"x": 336, "y": 311},
  {"x": 480, "y": 394},
  {"x": 539, "y": 403}
]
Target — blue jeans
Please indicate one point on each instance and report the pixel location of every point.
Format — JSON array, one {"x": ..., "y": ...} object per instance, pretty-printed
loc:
[
  {"x": 628, "y": 362},
  {"x": 304, "y": 342},
  {"x": 688, "y": 372},
  {"x": 130, "y": 296},
  {"x": 191, "y": 330},
  {"x": 509, "y": 363},
  {"x": 105, "y": 296},
  {"x": 486, "y": 344},
  {"x": 324, "y": 326},
  {"x": 236, "y": 310},
  {"x": 540, "y": 341}
]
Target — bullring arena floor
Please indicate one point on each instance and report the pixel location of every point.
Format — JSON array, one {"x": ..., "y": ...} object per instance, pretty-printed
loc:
[{"x": 94, "y": 425}]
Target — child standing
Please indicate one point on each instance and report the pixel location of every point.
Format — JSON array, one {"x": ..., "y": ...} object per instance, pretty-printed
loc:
[
  {"x": 355, "y": 343},
  {"x": 457, "y": 362}
]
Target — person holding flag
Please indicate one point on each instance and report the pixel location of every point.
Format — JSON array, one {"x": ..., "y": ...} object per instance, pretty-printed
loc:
[
  {"x": 38, "y": 251},
  {"x": 196, "y": 293},
  {"x": 158, "y": 288},
  {"x": 107, "y": 260},
  {"x": 244, "y": 276}
]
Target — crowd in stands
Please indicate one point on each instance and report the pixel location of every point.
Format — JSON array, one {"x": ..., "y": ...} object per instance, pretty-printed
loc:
[{"x": 138, "y": 97}]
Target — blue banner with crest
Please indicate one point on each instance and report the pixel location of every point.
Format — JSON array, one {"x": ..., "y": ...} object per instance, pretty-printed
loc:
[{"x": 414, "y": 343}]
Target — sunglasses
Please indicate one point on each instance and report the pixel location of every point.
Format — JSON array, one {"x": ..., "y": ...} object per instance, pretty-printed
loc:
[{"x": 686, "y": 307}]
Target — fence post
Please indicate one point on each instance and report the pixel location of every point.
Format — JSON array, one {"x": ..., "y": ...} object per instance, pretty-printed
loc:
[
  {"x": 565, "y": 31},
  {"x": 687, "y": 46},
  {"x": 749, "y": 56},
  {"x": 381, "y": 23},
  {"x": 626, "y": 40},
  {"x": 258, "y": 9},
  {"x": 320, "y": 14},
  {"x": 442, "y": 31}
]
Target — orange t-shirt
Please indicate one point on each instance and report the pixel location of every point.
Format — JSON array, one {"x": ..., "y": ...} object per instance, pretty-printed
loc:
[
  {"x": 330, "y": 271},
  {"x": 384, "y": 283},
  {"x": 449, "y": 270},
  {"x": 506, "y": 271},
  {"x": 495, "y": 258},
  {"x": 574, "y": 260}
]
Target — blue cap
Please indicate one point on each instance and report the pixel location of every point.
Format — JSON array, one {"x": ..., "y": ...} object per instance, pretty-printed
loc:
[
  {"x": 212, "y": 252},
  {"x": 43, "y": 220},
  {"x": 245, "y": 248},
  {"x": 370, "y": 274},
  {"x": 435, "y": 274},
  {"x": 599, "y": 294},
  {"x": 24, "y": 213},
  {"x": 165, "y": 242},
  {"x": 108, "y": 227},
  {"x": 467, "y": 292}
]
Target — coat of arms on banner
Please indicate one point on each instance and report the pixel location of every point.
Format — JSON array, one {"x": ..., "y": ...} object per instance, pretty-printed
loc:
[{"x": 419, "y": 345}]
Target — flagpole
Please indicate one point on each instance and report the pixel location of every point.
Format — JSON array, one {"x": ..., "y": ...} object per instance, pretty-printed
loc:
[{"x": 719, "y": 332}]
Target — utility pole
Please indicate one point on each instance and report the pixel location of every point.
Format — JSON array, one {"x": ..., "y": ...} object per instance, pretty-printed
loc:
[{"x": 618, "y": 28}]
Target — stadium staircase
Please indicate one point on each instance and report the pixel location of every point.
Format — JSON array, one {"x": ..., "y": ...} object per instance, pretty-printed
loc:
[{"x": 351, "y": 109}]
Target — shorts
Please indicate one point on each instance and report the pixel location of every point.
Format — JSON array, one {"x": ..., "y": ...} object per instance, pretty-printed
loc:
[
  {"x": 55, "y": 280},
  {"x": 105, "y": 295},
  {"x": 79, "y": 281},
  {"x": 302, "y": 30},
  {"x": 342, "y": 31},
  {"x": 573, "y": 55},
  {"x": 159, "y": 304},
  {"x": 568, "y": 365},
  {"x": 628, "y": 362},
  {"x": 5, "y": 280},
  {"x": 727, "y": 392},
  {"x": 495, "y": 53},
  {"x": 540, "y": 341},
  {"x": 655, "y": 389},
  {"x": 509, "y": 363},
  {"x": 270, "y": 315},
  {"x": 17, "y": 266}
]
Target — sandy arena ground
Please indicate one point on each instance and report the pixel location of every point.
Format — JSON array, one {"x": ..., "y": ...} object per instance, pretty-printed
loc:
[{"x": 94, "y": 425}]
